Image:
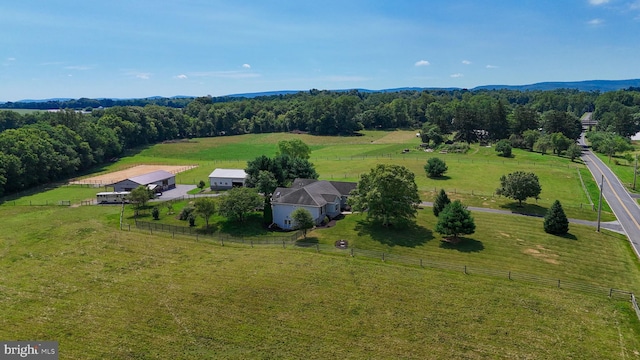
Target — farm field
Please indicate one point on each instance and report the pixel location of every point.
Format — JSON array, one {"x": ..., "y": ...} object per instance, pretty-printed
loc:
[
  {"x": 68, "y": 274},
  {"x": 472, "y": 177}
]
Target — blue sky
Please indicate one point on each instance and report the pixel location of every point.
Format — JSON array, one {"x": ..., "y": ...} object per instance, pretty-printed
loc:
[{"x": 140, "y": 48}]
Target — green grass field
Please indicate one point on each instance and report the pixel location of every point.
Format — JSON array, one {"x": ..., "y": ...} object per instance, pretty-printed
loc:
[
  {"x": 68, "y": 275},
  {"x": 472, "y": 177}
]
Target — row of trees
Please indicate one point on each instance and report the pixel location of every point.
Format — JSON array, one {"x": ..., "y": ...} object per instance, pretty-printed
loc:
[{"x": 37, "y": 148}]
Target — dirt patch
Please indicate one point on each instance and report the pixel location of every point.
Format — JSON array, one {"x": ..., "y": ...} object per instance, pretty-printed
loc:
[
  {"x": 505, "y": 234},
  {"x": 114, "y": 177},
  {"x": 543, "y": 254}
]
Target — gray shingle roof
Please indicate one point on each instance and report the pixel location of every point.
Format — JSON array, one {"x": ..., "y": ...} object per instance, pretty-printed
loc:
[
  {"x": 311, "y": 192},
  {"x": 152, "y": 177}
]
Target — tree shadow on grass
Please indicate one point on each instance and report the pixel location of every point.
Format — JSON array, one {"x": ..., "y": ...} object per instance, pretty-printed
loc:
[
  {"x": 568, "y": 236},
  {"x": 466, "y": 245},
  {"x": 441, "y": 177},
  {"x": 407, "y": 235},
  {"x": 251, "y": 226},
  {"x": 526, "y": 209},
  {"x": 310, "y": 241}
]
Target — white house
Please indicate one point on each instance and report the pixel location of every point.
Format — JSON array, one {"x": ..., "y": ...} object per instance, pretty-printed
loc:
[
  {"x": 221, "y": 179},
  {"x": 321, "y": 198},
  {"x": 158, "y": 181}
]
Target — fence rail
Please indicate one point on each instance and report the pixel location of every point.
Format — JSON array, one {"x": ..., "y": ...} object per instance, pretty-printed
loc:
[
  {"x": 292, "y": 241},
  {"x": 186, "y": 230}
]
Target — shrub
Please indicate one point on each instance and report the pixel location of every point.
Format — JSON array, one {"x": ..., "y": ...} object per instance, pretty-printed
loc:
[
  {"x": 192, "y": 220},
  {"x": 435, "y": 167},
  {"x": 503, "y": 147},
  {"x": 155, "y": 213},
  {"x": 185, "y": 212}
]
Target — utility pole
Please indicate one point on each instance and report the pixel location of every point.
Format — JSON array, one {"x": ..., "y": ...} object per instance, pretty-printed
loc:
[
  {"x": 635, "y": 172},
  {"x": 600, "y": 202}
]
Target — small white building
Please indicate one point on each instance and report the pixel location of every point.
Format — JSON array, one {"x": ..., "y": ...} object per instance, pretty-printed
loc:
[
  {"x": 158, "y": 181},
  {"x": 221, "y": 179}
]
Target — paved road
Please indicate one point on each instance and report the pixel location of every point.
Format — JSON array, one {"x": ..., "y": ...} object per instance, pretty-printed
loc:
[
  {"x": 609, "y": 225},
  {"x": 624, "y": 207}
]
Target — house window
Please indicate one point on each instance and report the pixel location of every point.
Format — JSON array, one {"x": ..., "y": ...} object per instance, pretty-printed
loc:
[{"x": 287, "y": 222}]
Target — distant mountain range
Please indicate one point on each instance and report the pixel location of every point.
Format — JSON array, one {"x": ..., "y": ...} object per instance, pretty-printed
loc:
[{"x": 587, "y": 85}]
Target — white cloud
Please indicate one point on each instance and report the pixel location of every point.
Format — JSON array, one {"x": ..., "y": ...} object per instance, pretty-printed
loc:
[
  {"x": 466, "y": 62},
  {"x": 635, "y": 5},
  {"x": 138, "y": 74},
  {"x": 11, "y": 59},
  {"x": 181, "y": 76},
  {"x": 598, "y": 2},
  {"x": 422, "y": 63},
  {"x": 595, "y": 22},
  {"x": 246, "y": 66},
  {"x": 491, "y": 67},
  {"x": 458, "y": 75}
]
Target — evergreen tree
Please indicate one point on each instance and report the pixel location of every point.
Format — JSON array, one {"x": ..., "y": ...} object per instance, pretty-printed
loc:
[
  {"x": 555, "y": 221},
  {"x": 441, "y": 201},
  {"x": 455, "y": 220}
]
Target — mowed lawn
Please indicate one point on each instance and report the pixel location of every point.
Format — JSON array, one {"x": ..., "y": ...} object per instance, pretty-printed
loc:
[
  {"x": 67, "y": 275},
  {"x": 501, "y": 242}
]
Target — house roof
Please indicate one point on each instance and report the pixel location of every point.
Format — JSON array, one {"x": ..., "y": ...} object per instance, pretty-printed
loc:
[
  {"x": 152, "y": 177},
  {"x": 312, "y": 192},
  {"x": 229, "y": 173}
]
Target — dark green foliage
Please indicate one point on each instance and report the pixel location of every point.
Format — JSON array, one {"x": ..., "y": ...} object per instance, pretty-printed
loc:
[
  {"x": 201, "y": 185},
  {"x": 519, "y": 186},
  {"x": 283, "y": 168},
  {"x": 574, "y": 151},
  {"x": 455, "y": 220},
  {"x": 441, "y": 201},
  {"x": 185, "y": 212},
  {"x": 555, "y": 221},
  {"x": 503, "y": 147},
  {"x": 204, "y": 207},
  {"x": 608, "y": 143},
  {"x": 294, "y": 148},
  {"x": 139, "y": 197},
  {"x": 192, "y": 219},
  {"x": 238, "y": 202},
  {"x": 388, "y": 193},
  {"x": 303, "y": 220},
  {"x": 435, "y": 167},
  {"x": 155, "y": 212}
]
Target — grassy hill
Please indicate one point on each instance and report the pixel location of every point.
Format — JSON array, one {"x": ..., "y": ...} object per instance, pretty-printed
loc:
[{"x": 68, "y": 275}]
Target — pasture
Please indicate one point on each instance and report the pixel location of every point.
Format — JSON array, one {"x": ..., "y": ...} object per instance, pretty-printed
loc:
[{"x": 67, "y": 274}]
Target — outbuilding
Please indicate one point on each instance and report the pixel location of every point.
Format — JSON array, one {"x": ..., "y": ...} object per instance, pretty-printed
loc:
[
  {"x": 221, "y": 179},
  {"x": 157, "y": 181}
]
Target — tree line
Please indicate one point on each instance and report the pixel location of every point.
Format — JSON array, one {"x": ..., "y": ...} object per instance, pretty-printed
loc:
[{"x": 41, "y": 147}]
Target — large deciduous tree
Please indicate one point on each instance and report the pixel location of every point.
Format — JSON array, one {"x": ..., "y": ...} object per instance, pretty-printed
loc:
[
  {"x": 455, "y": 220},
  {"x": 295, "y": 148},
  {"x": 238, "y": 202},
  {"x": 388, "y": 193},
  {"x": 205, "y": 207},
  {"x": 519, "y": 186},
  {"x": 139, "y": 197}
]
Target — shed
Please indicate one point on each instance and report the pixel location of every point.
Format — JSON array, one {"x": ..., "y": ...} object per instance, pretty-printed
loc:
[
  {"x": 221, "y": 179},
  {"x": 158, "y": 181}
]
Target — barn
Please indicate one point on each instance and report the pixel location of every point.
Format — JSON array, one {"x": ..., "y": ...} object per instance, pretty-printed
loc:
[
  {"x": 157, "y": 181},
  {"x": 221, "y": 179}
]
